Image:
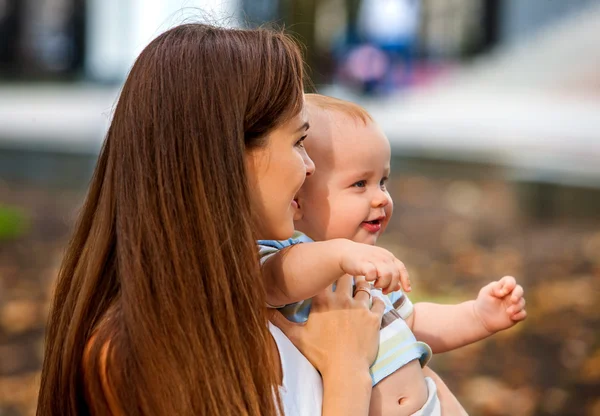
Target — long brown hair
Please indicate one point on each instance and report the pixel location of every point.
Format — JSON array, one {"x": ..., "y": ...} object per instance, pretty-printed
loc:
[{"x": 162, "y": 269}]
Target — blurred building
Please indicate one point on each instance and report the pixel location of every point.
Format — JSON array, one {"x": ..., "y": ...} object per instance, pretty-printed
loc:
[
  {"x": 134, "y": 23},
  {"x": 95, "y": 40},
  {"x": 62, "y": 63},
  {"x": 496, "y": 165},
  {"x": 531, "y": 104},
  {"x": 535, "y": 66},
  {"x": 98, "y": 39},
  {"x": 41, "y": 39}
]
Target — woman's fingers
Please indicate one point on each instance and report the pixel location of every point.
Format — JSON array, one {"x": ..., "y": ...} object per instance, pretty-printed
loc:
[
  {"x": 322, "y": 296},
  {"x": 341, "y": 328},
  {"x": 290, "y": 329},
  {"x": 344, "y": 285},
  {"x": 378, "y": 307},
  {"x": 362, "y": 291}
]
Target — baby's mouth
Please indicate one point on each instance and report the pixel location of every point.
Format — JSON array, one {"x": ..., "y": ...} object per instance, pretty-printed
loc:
[
  {"x": 373, "y": 226},
  {"x": 375, "y": 221}
]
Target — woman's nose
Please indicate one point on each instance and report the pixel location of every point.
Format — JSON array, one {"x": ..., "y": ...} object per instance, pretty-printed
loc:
[{"x": 310, "y": 165}]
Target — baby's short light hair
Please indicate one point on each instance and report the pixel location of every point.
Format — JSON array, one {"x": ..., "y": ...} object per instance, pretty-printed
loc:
[{"x": 348, "y": 108}]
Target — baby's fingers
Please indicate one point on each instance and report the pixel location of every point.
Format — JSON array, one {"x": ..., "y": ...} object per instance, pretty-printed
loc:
[
  {"x": 404, "y": 277},
  {"x": 507, "y": 283},
  {"x": 503, "y": 286},
  {"x": 369, "y": 271},
  {"x": 519, "y": 316},
  {"x": 385, "y": 277},
  {"x": 517, "y": 294},
  {"x": 516, "y": 308}
]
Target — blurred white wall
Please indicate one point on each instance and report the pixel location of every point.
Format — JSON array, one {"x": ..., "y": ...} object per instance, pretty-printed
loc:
[
  {"x": 533, "y": 106},
  {"x": 521, "y": 19},
  {"x": 119, "y": 29}
]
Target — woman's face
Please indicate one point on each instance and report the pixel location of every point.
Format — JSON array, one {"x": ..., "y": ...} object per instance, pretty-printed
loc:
[{"x": 276, "y": 172}]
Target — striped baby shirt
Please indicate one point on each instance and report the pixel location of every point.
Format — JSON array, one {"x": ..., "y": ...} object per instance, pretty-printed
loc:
[{"x": 397, "y": 344}]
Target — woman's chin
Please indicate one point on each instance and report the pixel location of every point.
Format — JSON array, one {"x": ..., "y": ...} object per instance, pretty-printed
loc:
[{"x": 284, "y": 232}]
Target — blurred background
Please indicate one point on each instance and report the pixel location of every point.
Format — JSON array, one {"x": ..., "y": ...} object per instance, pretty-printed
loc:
[{"x": 493, "y": 111}]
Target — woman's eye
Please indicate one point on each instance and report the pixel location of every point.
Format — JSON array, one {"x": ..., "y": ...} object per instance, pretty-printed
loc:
[
  {"x": 300, "y": 142},
  {"x": 360, "y": 184}
]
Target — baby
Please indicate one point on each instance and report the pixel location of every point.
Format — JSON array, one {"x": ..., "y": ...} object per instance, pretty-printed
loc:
[{"x": 344, "y": 207}]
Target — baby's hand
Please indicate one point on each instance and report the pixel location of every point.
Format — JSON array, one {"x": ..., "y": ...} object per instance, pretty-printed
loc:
[
  {"x": 500, "y": 304},
  {"x": 375, "y": 264}
]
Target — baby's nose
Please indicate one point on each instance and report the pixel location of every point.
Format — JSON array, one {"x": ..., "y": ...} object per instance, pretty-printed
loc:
[{"x": 380, "y": 199}]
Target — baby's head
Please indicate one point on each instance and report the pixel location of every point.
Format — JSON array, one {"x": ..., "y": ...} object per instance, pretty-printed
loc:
[{"x": 346, "y": 197}]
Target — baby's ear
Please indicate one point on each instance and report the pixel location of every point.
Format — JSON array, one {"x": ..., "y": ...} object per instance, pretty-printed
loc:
[{"x": 298, "y": 215}]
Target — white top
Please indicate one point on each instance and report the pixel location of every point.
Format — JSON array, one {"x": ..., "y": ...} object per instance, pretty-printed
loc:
[{"x": 302, "y": 389}]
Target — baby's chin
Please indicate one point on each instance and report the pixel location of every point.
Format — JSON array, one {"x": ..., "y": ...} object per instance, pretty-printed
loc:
[
  {"x": 370, "y": 239},
  {"x": 360, "y": 237}
]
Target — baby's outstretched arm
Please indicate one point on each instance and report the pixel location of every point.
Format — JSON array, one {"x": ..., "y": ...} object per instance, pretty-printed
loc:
[
  {"x": 499, "y": 305},
  {"x": 300, "y": 271}
]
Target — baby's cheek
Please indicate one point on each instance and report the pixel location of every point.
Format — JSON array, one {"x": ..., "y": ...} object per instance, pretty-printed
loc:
[
  {"x": 338, "y": 226},
  {"x": 332, "y": 228},
  {"x": 389, "y": 209},
  {"x": 314, "y": 223}
]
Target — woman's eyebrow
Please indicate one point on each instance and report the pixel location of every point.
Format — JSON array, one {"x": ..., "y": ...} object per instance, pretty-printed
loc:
[{"x": 305, "y": 126}]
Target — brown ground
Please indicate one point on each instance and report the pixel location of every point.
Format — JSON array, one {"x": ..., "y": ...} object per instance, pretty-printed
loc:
[{"x": 453, "y": 235}]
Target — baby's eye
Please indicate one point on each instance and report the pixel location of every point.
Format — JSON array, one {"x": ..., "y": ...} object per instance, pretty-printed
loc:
[
  {"x": 300, "y": 142},
  {"x": 360, "y": 184},
  {"x": 383, "y": 182}
]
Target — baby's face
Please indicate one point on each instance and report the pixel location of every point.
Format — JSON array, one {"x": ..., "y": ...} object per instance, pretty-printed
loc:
[{"x": 346, "y": 197}]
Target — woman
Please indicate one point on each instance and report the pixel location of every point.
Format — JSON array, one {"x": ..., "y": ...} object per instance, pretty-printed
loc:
[{"x": 159, "y": 307}]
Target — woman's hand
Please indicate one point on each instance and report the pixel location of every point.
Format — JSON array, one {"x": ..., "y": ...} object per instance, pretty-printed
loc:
[
  {"x": 342, "y": 330},
  {"x": 340, "y": 339}
]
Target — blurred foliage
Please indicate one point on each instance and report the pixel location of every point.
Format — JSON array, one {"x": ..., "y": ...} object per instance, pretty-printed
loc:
[
  {"x": 14, "y": 222},
  {"x": 454, "y": 230}
]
